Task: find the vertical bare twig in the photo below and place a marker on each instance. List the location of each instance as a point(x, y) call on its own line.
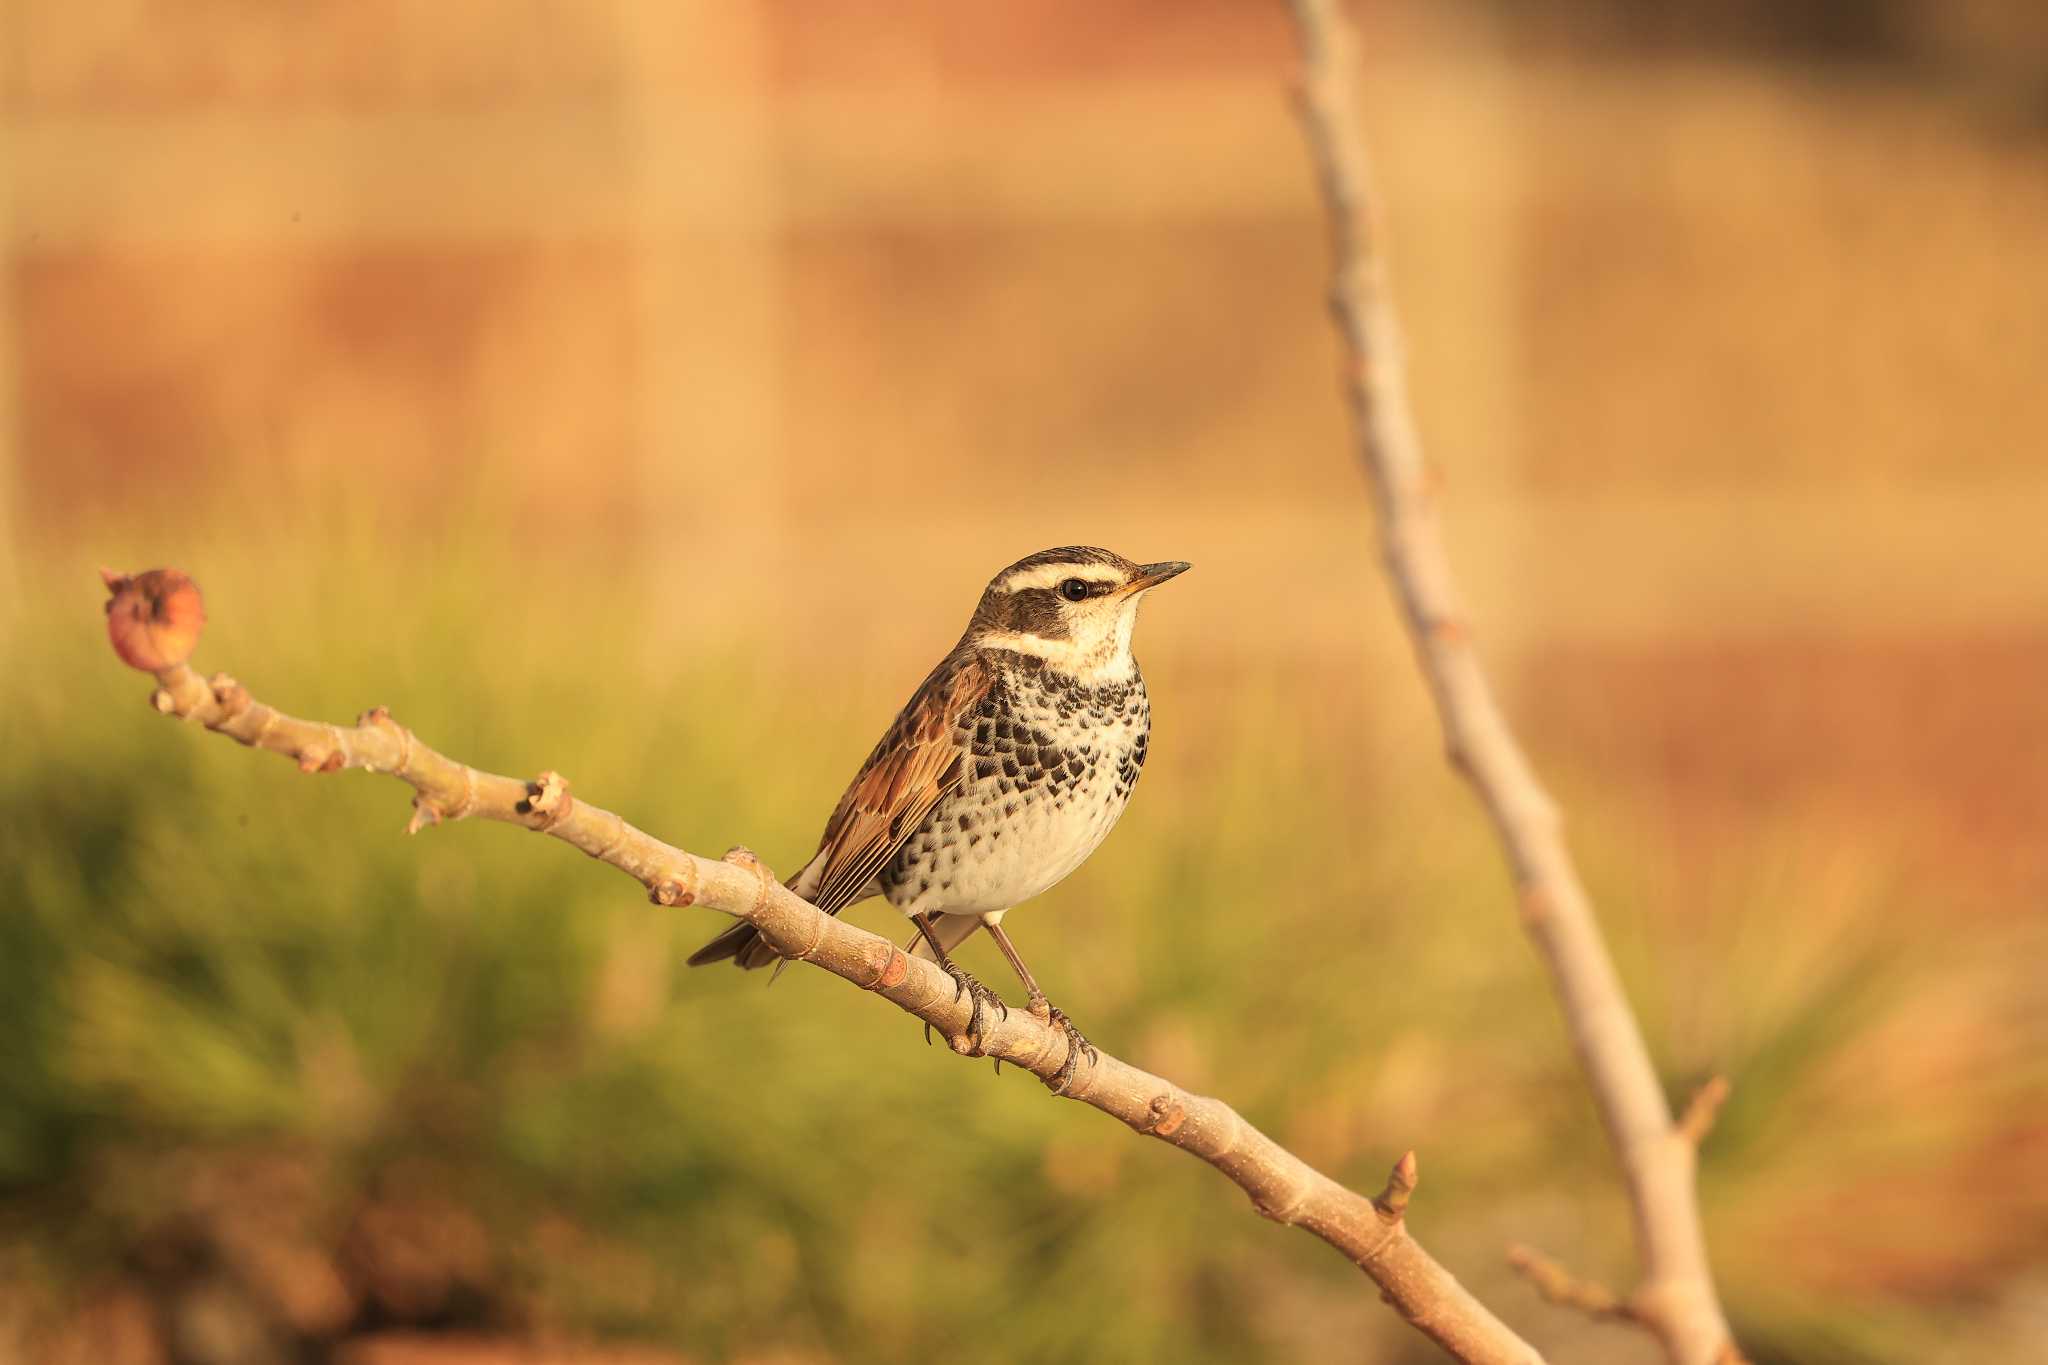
point(1675, 1297)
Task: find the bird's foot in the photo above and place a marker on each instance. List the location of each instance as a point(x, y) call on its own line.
point(1078, 1045)
point(983, 1000)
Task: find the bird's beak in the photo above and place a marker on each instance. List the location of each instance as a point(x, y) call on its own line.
point(1152, 575)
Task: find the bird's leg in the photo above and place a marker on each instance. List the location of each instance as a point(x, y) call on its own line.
point(1077, 1045)
point(978, 995)
point(1037, 1005)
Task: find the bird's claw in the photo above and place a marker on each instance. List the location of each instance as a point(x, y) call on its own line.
point(1078, 1046)
point(981, 998)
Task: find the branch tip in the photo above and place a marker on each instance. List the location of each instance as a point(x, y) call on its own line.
point(1702, 1109)
point(1401, 1182)
point(1559, 1286)
point(424, 813)
point(153, 619)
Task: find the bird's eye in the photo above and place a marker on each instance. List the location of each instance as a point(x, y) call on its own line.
point(1074, 589)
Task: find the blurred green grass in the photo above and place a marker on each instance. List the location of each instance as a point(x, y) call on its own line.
point(211, 960)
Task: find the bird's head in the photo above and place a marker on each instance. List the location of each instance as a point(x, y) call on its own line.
point(1073, 607)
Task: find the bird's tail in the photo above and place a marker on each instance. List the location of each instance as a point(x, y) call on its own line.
point(743, 943)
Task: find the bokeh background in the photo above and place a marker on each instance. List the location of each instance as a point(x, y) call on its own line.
point(645, 390)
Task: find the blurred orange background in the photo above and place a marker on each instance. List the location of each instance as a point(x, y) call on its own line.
point(776, 328)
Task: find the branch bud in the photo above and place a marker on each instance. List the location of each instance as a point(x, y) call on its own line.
point(154, 618)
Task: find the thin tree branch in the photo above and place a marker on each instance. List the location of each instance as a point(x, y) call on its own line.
point(1559, 1286)
point(1702, 1109)
point(1676, 1297)
point(155, 620)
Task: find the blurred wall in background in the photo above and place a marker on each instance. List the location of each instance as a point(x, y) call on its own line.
point(1765, 329)
point(1728, 326)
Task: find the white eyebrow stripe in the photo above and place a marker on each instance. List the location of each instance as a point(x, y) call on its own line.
point(1051, 575)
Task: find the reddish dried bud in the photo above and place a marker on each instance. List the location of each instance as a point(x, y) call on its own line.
point(154, 618)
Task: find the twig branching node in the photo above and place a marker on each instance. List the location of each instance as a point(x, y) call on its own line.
point(1702, 1109)
point(1559, 1286)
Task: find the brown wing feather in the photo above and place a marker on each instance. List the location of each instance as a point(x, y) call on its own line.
point(909, 772)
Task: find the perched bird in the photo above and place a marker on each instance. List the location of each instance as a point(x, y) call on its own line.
point(1004, 771)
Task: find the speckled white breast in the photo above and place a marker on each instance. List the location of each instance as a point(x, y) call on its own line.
point(1052, 769)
